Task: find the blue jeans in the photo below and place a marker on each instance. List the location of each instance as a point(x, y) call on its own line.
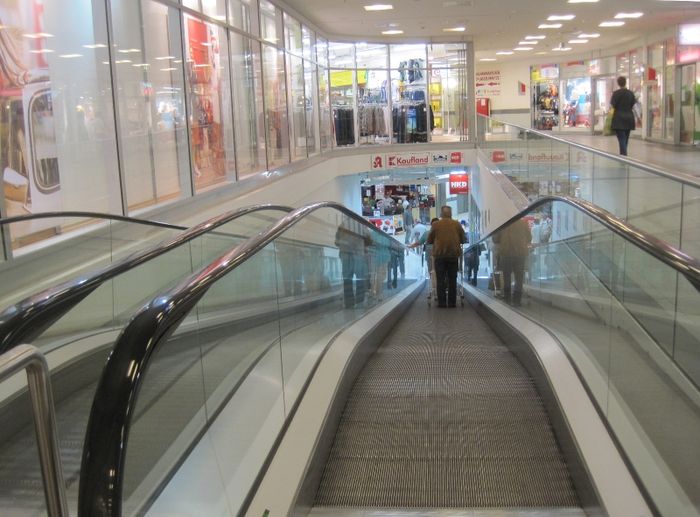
point(623, 136)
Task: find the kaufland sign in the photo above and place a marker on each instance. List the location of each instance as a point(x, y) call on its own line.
point(459, 183)
point(398, 160)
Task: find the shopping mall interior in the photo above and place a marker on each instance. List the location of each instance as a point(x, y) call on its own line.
point(218, 291)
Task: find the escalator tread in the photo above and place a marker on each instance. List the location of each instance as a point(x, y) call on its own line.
point(445, 416)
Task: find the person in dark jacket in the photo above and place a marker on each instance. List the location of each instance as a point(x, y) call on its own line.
point(623, 100)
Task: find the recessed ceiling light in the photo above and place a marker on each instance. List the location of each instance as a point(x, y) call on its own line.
point(561, 49)
point(620, 16)
point(391, 32)
point(487, 59)
point(41, 51)
point(578, 41)
point(611, 24)
point(559, 17)
point(539, 36)
point(163, 58)
point(589, 36)
point(122, 61)
point(583, 1)
point(549, 26)
point(70, 56)
point(522, 48)
point(455, 29)
point(528, 42)
point(505, 53)
point(379, 7)
point(168, 69)
point(95, 45)
point(540, 53)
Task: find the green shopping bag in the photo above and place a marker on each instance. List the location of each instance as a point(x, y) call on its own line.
point(607, 128)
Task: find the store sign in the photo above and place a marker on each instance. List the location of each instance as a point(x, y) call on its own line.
point(398, 160)
point(502, 156)
point(689, 34)
point(459, 183)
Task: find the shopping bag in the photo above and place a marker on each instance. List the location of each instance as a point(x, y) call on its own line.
point(607, 128)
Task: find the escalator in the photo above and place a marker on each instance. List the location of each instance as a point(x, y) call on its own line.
point(391, 408)
point(75, 323)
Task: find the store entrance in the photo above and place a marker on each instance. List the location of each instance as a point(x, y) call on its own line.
point(690, 118)
point(603, 87)
point(576, 104)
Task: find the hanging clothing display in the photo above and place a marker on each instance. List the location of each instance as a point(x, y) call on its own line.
point(343, 123)
point(410, 120)
point(373, 120)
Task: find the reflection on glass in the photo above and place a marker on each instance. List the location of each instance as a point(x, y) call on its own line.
point(311, 102)
point(374, 115)
point(151, 105)
point(276, 107)
point(248, 105)
point(210, 96)
point(326, 117)
point(342, 99)
point(299, 106)
point(270, 18)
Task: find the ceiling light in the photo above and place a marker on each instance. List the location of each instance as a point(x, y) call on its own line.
point(528, 42)
point(392, 31)
point(487, 59)
point(163, 58)
point(522, 48)
point(540, 53)
point(121, 61)
point(96, 45)
point(41, 51)
point(583, 1)
point(168, 69)
point(141, 65)
point(455, 29)
point(37, 35)
point(70, 56)
point(589, 36)
point(539, 36)
point(129, 50)
point(549, 26)
point(559, 17)
point(561, 49)
point(578, 41)
point(620, 16)
point(504, 53)
point(611, 24)
point(379, 7)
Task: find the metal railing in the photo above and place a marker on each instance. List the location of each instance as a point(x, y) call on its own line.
point(29, 358)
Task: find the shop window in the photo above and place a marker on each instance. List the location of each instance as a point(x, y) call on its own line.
point(277, 129)
point(445, 94)
point(311, 106)
point(215, 8)
point(373, 112)
point(325, 112)
point(655, 85)
point(322, 52)
point(342, 100)
point(308, 42)
point(207, 73)
point(292, 35)
point(243, 15)
point(248, 105)
point(299, 104)
point(270, 22)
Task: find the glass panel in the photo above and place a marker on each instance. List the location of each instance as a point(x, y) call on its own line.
point(299, 102)
point(690, 223)
point(292, 35)
point(324, 100)
point(341, 55)
point(655, 205)
point(374, 115)
point(276, 107)
point(311, 102)
point(192, 4)
point(371, 55)
point(408, 57)
point(445, 102)
point(308, 42)
point(410, 116)
point(215, 8)
point(342, 99)
point(576, 103)
point(610, 185)
point(688, 101)
point(322, 51)
point(545, 96)
point(613, 308)
point(270, 22)
point(151, 103)
point(240, 15)
point(57, 141)
point(655, 90)
point(248, 104)
point(670, 102)
point(209, 85)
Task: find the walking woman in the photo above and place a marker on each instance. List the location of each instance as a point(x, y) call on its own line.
point(623, 100)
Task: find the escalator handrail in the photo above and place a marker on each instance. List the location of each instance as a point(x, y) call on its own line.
point(23, 321)
point(683, 263)
point(88, 215)
point(104, 453)
point(675, 176)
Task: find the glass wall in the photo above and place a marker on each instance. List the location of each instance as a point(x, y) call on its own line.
point(669, 89)
point(655, 90)
point(182, 102)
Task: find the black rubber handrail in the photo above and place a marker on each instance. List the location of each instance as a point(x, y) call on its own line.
point(104, 454)
point(88, 215)
point(688, 266)
point(28, 318)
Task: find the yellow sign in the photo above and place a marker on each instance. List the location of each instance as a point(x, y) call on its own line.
point(344, 77)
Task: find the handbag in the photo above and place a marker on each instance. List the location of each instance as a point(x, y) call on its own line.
point(607, 128)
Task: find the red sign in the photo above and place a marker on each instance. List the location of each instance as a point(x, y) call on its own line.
point(456, 158)
point(498, 156)
point(459, 183)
